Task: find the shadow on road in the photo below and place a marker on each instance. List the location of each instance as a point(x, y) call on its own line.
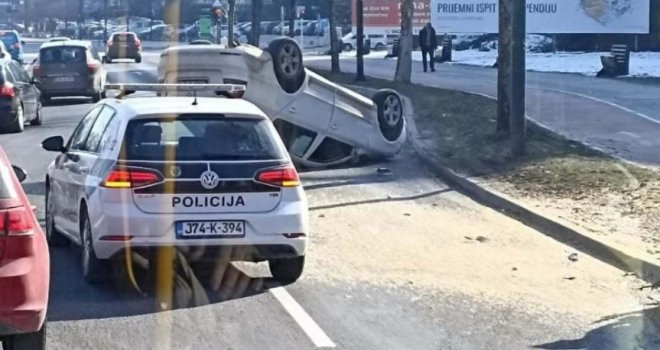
point(193, 284)
point(35, 188)
point(69, 101)
point(633, 330)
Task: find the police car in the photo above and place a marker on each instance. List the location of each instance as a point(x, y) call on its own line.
point(176, 171)
point(321, 123)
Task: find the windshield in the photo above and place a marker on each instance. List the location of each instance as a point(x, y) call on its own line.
point(332, 174)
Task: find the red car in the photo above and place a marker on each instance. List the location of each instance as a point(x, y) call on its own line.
point(24, 265)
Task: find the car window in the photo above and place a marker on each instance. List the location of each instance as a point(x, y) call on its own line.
point(63, 54)
point(205, 137)
point(18, 72)
point(7, 189)
point(79, 137)
point(96, 133)
point(8, 76)
point(9, 38)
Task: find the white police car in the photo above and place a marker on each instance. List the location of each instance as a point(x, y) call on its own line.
point(176, 171)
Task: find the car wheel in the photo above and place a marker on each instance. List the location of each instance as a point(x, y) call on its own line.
point(390, 114)
point(138, 59)
point(37, 115)
point(45, 100)
point(18, 124)
point(288, 64)
point(53, 237)
point(96, 97)
point(94, 270)
point(348, 47)
point(26, 341)
point(288, 270)
point(379, 47)
point(107, 59)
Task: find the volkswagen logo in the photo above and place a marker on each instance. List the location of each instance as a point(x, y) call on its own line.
point(175, 171)
point(209, 179)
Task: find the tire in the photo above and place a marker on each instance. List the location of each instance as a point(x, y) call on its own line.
point(96, 97)
point(53, 237)
point(347, 47)
point(104, 94)
point(95, 270)
point(390, 114)
point(288, 64)
point(107, 59)
point(379, 47)
point(138, 59)
point(287, 271)
point(18, 124)
point(27, 341)
point(38, 119)
point(45, 100)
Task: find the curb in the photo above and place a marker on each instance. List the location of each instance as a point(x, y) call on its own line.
point(553, 228)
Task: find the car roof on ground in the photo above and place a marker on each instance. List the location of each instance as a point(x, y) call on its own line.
point(142, 106)
point(80, 43)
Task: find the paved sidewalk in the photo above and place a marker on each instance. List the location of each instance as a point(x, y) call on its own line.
point(599, 112)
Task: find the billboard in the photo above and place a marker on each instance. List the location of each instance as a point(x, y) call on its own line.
point(386, 14)
point(545, 16)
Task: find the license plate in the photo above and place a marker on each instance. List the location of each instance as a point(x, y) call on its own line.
point(63, 79)
point(206, 229)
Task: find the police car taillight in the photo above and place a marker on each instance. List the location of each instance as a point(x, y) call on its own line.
point(281, 177)
point(131, 178)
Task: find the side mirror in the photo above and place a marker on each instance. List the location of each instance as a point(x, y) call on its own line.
point(54, 144)
point(22, 42)
point(34, 61)
point(21, 174)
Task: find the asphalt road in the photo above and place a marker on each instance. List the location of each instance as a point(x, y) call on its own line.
point(620, 117)
point(393, 264)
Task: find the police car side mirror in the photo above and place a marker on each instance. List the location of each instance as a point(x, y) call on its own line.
point(54, 144)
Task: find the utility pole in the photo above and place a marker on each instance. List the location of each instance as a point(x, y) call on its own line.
point(517, 98)
point(360, 40)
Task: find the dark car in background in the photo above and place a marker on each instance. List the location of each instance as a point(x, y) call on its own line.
point(69, 68)
point(13, 43)
point(123, 45)
point(19, 98)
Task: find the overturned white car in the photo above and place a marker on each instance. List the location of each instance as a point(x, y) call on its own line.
point(321, 123)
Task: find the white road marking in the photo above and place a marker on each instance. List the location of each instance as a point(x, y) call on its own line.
point(630, 134)
point(611, 104)
point(313, 331)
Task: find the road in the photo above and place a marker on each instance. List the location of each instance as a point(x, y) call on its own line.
point(398, 261)
point(620, 117)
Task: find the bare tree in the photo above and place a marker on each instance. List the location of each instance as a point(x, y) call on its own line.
point(404, 62)
point(230, 25)
point(334, 41)
point(257, 6)
point(504, 67)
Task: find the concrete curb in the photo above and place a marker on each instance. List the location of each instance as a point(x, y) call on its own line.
point(551, 227)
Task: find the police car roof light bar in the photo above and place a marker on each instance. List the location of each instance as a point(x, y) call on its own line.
point(127, 89)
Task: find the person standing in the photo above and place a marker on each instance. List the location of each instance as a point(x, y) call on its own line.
point(428, 42)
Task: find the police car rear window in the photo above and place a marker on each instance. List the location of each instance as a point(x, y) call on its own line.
point(200, 138)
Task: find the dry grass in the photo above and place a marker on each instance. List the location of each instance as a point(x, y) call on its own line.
point(463, 128)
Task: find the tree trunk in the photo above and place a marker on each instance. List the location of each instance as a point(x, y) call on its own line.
point(292, 18)
point(334, 41)
point(360, 41)
point(504, 67)
point(404, 62)
point(517, 122)
point(230, 24)
point(257, 6)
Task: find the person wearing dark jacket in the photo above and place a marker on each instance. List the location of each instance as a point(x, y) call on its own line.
point(428, 42)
